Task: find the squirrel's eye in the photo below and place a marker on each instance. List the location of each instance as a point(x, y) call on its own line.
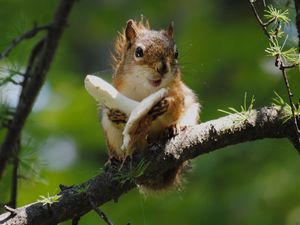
point(139, 52)
point(176, 54)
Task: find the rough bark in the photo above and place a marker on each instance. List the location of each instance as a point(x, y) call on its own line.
point(75, 201)
point(38, 66)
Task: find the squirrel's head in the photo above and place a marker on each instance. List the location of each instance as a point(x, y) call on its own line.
point(149, 56)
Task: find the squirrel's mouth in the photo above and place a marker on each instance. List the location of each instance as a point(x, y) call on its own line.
point(154, 82)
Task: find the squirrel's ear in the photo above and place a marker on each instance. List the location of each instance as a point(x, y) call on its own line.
point(170, 29)
point(130, 31)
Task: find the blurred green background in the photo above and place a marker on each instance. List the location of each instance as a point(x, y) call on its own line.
point(221, 53)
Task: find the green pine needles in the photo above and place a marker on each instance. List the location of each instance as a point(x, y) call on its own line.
point(290, 55)
point(48, 200)
point(245, 112)
point(276, 15)
point(287, 114)
point(276, 19)
point(131, 174)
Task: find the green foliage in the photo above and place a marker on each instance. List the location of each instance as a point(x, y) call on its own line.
point(280, 104)
point(277, 15)
point(290, 55)
point(8, 72)
point(48, 200)
point(7, 75)
point(132, 173)
point(7, 79)
point(30, 166)
point(276, 18)
point(245, 109)
point(6, 114)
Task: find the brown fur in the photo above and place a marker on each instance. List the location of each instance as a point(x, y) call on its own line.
point(135, 77)
point(120, 43)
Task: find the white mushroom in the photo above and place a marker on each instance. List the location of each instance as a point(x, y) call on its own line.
point(105, 94)
point(138, 114)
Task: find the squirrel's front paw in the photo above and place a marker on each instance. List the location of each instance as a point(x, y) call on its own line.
point(117, 116)
point(160, 108)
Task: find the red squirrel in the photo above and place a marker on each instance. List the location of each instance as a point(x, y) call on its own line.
point(145, 61)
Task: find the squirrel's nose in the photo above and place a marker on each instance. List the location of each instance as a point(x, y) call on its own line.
point(162, 68)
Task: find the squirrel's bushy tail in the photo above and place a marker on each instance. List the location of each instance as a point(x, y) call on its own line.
point(172, 178)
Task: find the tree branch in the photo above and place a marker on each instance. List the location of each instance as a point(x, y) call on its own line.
point(14, 183)
point(266, 122)
point(101, 213)
point(26, 35)
point(281, 64)
point(38, 66)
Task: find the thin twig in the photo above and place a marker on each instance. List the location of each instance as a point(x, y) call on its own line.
point(9, 79)
point(100, 213)
point(26, 35)
point(266, 24)
point(11, 210)
point(279, 63)
point(290, 95)
point(259, 20)
point(34, 52)
point(290, 66)
point(14, 82)
point(14, 185)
